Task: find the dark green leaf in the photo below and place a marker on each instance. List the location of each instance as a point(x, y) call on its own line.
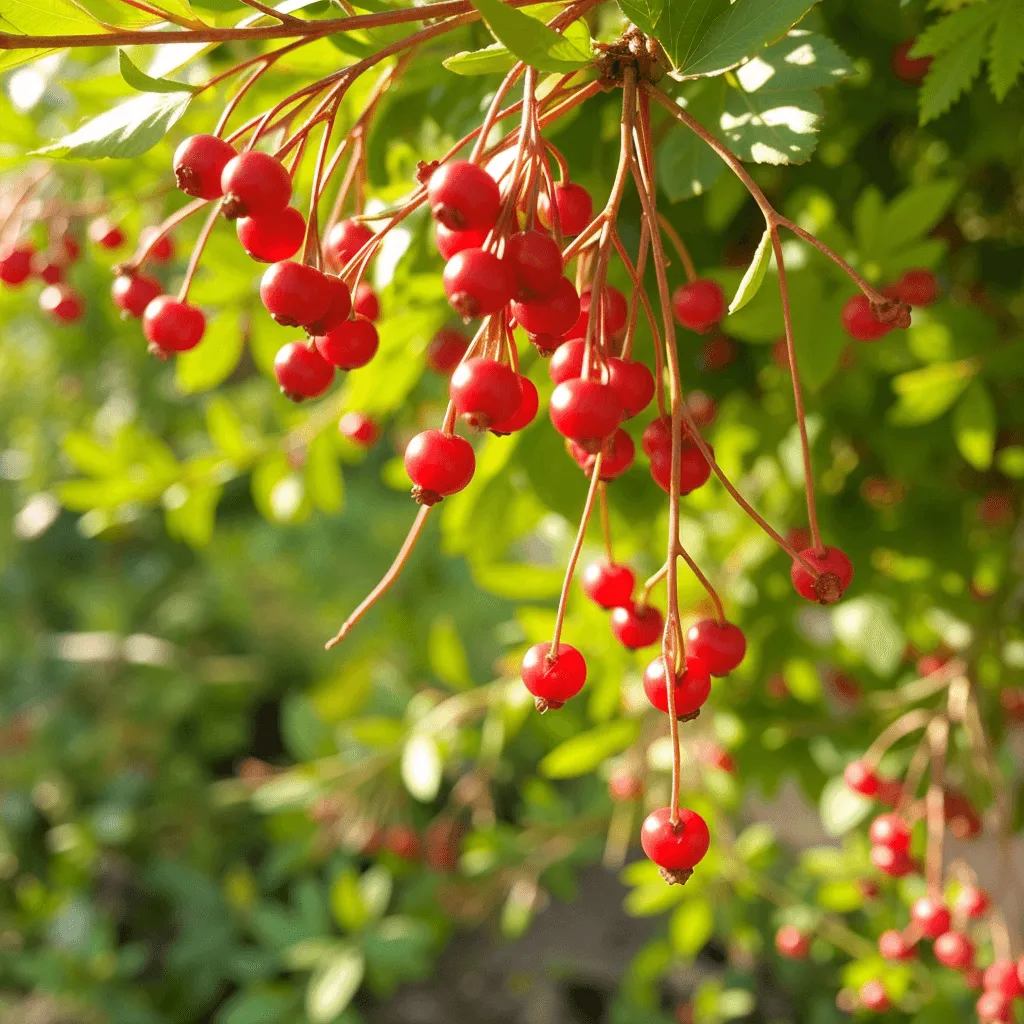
point(645, 14)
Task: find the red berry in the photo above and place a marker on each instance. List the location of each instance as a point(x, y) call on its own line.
point(895, 863)
point(585, 411)
point(616, 312)
point(350, 345)
point(633, 383)
point(906, 68)
point(301, 371)
point(536, 262)
point(715, 757)
point(441, 844)
point(16, 263)
point(567, 362)
point(694, 469)
point(552, 315)
point(716, 354)
point(1002, 977)
point(553, 681)
point(254, 184)
point(450, 242)
point(890, 830)
point(272, 237)
point(172, 326)
point(675, 848)
point(893, 946)
point(954, 950)
point(625, 788)
point(929, 663)
point(700, 304)
point(973, 902)
point(994, 1008)
point(438, 465)
point(198, 164)
point(344, 240)
point(463, 196)
point(575, 208)
point(702, 408)
point(477, 283)
point(484, 391)
point(890, 792)
point(446, 350)
point(133, 293)
point(835, 575)
point(874, 997)
point(295, 294)
point(62, 303)
point(338, 307)
point(359, 428)
point(861, 778)
point(529, 403)
point(618, 456)
point(608, 584)
point(46, 270)
point(720, 645)
point(105, 233)
point(402, 841)
point(161, 249)
point(860, 323)
point(72, 250)
point(791, 943)
point(928, 913)
point(546, 344)
point(365, 302)
point(657, 437)
point(692, 687)
point(637, 626)
point(917, 288)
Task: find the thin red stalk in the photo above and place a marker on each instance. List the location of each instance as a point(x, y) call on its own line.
point(176, 218)
point(679, 246)
point(704, 582)
point(606, 528)
point(311, 243)
point(197, 251)
point(938, 741)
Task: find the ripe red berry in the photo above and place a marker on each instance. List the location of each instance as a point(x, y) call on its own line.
point(893, 946)
point(692, 687)
point(484, 391)
point(928, 913)
point(161, 249)
point(106, 233)
point(860, 323)
point(71, 248)
point(552, 315)
point(929, 663)
point(890, 830)
point(463, 196)
point(198, 164)
point(133, 293)
point(716, 354)
point(295, 294)
point(625, 788)
point(254, 184)
point(633, 383)
point(272, 237)
point(441, 844)
point(702, 408)
point(62, 303)
point(46, 270)
point(575, 208)
point(917, 288)
point(906, 68)
point(700, 304)
point(567, 362)
point(446, 350)
point(637, 626)
point(618, 456)
point(365, 302)
point(994, 1008)
point(714, 756)
point(529, 403)
point(791, 943)
point(835, 573)
point(344, 240)
point(608, 584)
point(16, 263)
point(954, 950)
point(1002, 977)
point(694, 469)
point(657, 437)
point(873, 997)
point(338, 307)
point(536, 262)
point(585, 411)
point(973, 902)
point(450, 242)
point(301, 371)
point(720, 645)
point(861, 778)
point(172, 326)
point(438, 465)
point(553, 681)
point(402, 841)
point(350, 345)
point(359, 428)
point(616, 312)
point(895, 863)
point(477, 283)
point(676, 849)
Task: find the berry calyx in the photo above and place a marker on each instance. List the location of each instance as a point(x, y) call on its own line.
point(134, 292)
point(637, 626)
point(446, 350)
point(608, 584)
point(574, 205)
point(633, 383)
point(699, 304)
point(199, 163)
point(555, 314)
point(295, 294)
point(917, 287)
point(439, 465)
point(272, 237)
point(973, 902)
point(301, 371)
point(720, 645)
point(791, 943)
point(618, 450)
point(254, 184)
point(893, 946)
point(172, 326)
point(692, 687)
point(930, 915)
point(359, 428)
point(349, 345)
point(892, 831)
point(567, 361)
point(450, 242)
point(463, 196)
point(862, 778)
point(906, 68)
point(484, 391)
point(536, 261)
point(874, 997)
point(477, 283)
point(338, 307)
point(344, 240)
point(860, 323)
point(16, 264)
point(62, 303)
point(365, 302)
point(553, 681)
point(106, 234)
point(585, 411)
point(835, 573)
point(954, 950)
point(529, 403)
point(694, 469)
point(676, 849)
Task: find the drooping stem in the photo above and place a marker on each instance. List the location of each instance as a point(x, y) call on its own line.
point(704, 582)
point(606, 529)
point(679, 246)
point(197, 251)
point(935, 802)
point(906, 724)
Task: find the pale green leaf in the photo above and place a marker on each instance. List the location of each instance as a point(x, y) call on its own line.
point(333, 986)
point(974, 426)
point(422, 767)
point(840, 808)
point(691, 926)
point(446, 654)
point(585, 752)
point(534, 44)
point(867, 626)
point(142, 82)
point(754, 277)
point(926, 394)
point(213, 360)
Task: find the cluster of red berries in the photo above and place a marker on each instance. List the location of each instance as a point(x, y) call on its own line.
point(917, 287)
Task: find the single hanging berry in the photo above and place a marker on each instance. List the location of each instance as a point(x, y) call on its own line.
point(359, 428)
point(994, 1008)
point(199, 163)
point(873, 996)
point(637, 626)
point(295, 294)
point(893, 946)
point(365, 302)
point(1003, 977)
point(720, 645)
point(439, 465)
point(529, 403)
point(338, 307)
point(694, 469)
point(46, 270)
point(608, 584)
point(159, 249)
point(700, 304)
point(484, 391)
point(273, 237)
point(625, 788)
point(585, 411)
point(891, 831)
point(931, 916)
point(254, 184)
point(575, 208)
point(553, 315)
point(477, 283)
point(692, 687)
point(463, 196)
point(553, 681)
point(894, 863)
point(16, 264)
point(172, 326)
point(450, 242)
point(350, 345)
point(106, 234)
point(860, 777)
point(618, 450)
point(446, 350)
point(567, 362)
point(633, 383)
point(792, 943)
point(906, 68)
point(676, 848)
point(344, 240)
point(860, 323)
point(62, 303)
point(301, 371)
point(536, 262)
point(917, 288)
point(616, 312)
point(835, 573)
point(954, 950)
point(973, 902)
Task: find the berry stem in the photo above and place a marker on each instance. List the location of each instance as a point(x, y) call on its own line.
point(935, 802)
point(704, 581)
point(606, 529)
point(906, 724)
point(197, 251)
point(176, 218)
point(679, 246)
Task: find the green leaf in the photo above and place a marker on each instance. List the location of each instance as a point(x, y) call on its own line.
point(1006, 56)
point(583, 753)
point(534, 44)
point(225, 428)
point(257, 1007)
point(926, 394)
point(867, 626)
point(347, 902)
point(127, 130)
point(754, 277)
point(840, 896)
point(192, 519)
point(684, 25)
point(802, 680)
point(48, 17)
point(914, 212)
point(333, 986)
point(840, 808)
point(950, 31)
point(645, 14)
point(422, 767)
point(212, 361)
point(974, 426)
point(375, 888)
point(324, 482)
point(688, 166)
point(1010, 461)
point(691, 926)
point(141, 82)
point(951, 75)
point(446, 654)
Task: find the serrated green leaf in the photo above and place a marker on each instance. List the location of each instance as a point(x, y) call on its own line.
point(645, 14)
point(754, 277)
point(950, 31)
point(800, 60)
point(974, 426)
point(583, 753)
point(1006, 56)
point(691, 926)
point(333, 986)
point(142, 82)
point(951, 75)
point(683, 26)
point(926, 394)
point(534, 44)
point(687, 166)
